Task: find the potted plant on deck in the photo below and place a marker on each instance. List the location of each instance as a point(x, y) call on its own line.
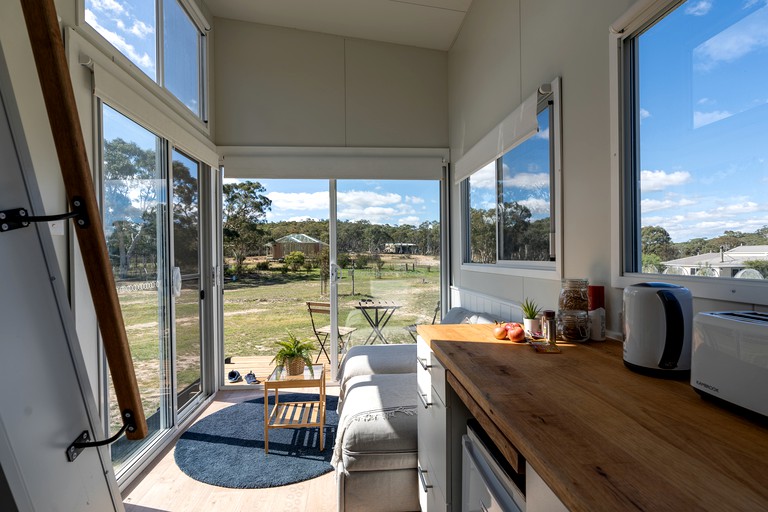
point(531, 320)
point(294, 354)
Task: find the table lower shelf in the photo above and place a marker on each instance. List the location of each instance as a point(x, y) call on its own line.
point(297, 414)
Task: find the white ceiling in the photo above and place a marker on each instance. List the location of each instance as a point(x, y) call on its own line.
point(423, 23)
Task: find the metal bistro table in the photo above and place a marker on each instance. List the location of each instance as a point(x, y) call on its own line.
point(294, 414)
point(377, 313)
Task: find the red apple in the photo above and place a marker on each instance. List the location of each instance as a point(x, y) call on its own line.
point(500, 331)
point(515, 333)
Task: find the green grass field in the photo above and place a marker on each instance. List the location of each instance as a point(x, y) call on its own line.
point(260, 308)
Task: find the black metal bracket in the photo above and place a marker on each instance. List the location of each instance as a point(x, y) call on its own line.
point(17, 218)
point(83, 441)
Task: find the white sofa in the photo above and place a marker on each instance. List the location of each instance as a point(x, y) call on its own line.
point(376, 449)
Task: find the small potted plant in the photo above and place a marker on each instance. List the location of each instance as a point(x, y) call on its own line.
point(531, 319)
point(294, 354)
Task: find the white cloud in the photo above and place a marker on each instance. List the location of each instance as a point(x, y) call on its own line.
point(374, 214)
point(650, 205)
point(746, 207)
point(704, 101)
point(485, 178)
point(644, 114)
point(299, 201)
point(412, 220)
point(699, 8)
point(107, 6)
point(144, 61)
point(659, 180)
point(739, 39)
point(527, 180)
point(363, 198)
point(138, 29)
point(704, 118)
point(536, 205)
point(543, 134)
point(414, 199)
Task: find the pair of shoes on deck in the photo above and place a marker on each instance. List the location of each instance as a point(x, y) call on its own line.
point(234, 376)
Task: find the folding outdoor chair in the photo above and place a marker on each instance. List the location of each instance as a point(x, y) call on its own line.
point(323, 333)
point(412, 328)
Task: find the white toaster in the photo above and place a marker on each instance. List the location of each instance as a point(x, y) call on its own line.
point(729, 358)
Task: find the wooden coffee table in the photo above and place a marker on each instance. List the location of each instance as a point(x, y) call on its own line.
point(294, 414)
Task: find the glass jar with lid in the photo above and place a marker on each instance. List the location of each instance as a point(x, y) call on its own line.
point(574, 295)
point(573, 325)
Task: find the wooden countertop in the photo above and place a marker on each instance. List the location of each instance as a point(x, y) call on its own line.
point(603, 437)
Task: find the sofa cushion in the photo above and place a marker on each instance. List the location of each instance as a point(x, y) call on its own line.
point(375, 359)
point(484, 318)
point(457, 315)
point(377, 426)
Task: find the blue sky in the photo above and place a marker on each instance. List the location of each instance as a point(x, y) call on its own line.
point(393, 202)
point(129, 26)
point(704, 119)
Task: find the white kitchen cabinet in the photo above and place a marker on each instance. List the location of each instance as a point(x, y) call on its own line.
point(432, 426)
point(442, 420)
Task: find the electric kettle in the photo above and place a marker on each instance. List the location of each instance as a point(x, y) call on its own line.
point(657, 329)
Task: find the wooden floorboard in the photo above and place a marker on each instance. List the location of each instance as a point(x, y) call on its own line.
point(164, 488)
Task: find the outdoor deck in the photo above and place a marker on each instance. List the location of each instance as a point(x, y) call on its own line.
point(261, 366)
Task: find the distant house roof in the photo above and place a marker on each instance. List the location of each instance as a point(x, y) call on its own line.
point(298, 239)
point(730, 258)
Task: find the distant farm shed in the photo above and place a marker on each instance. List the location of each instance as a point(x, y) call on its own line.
point(284, 246)
point(400, 248)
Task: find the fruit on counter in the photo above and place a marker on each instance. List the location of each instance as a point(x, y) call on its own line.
point(500, 331)
point(515, 332)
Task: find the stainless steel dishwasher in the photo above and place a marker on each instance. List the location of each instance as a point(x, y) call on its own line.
point(485, 484)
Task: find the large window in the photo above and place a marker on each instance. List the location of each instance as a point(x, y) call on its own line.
point(173, 57)
point(509, 203)
point(694, 154)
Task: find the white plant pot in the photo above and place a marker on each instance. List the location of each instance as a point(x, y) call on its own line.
point(532, 325)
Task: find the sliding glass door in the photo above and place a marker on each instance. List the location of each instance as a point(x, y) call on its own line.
point(135, 189)
point(152, 224)
point(186, 278)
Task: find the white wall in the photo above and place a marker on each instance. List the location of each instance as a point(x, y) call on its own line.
point(283, 87)
point(505, 49)
point(21, 66)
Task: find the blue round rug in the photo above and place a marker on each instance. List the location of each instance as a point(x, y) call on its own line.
point(227, 447)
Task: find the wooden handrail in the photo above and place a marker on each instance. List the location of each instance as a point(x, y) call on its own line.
point(53, 72)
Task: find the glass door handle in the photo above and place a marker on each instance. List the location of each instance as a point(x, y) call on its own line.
point(176, 282)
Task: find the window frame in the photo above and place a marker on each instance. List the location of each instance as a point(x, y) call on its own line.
point(157, 86)
point(624, 121)
point(549, 95)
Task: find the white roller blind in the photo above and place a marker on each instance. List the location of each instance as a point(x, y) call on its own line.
point(333, 163)
point(514, 129)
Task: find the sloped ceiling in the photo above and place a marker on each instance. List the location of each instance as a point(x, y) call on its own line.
point(423, 23)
